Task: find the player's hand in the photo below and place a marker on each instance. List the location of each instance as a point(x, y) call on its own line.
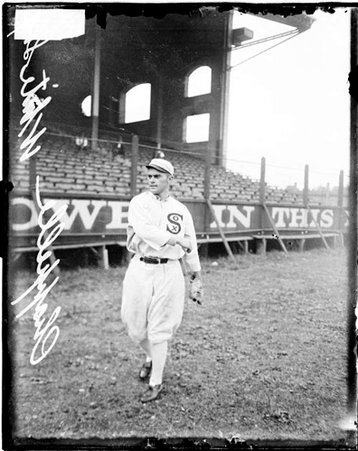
point(185, 244)
point(196, 289)
point(172, 241)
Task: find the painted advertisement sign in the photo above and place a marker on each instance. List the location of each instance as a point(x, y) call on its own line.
point(86, 217)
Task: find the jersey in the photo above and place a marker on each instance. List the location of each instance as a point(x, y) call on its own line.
point(152, 222)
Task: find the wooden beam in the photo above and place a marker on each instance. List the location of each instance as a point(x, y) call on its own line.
point(159, 110)
point(96, 88)
point(282, 244)
point(246, 247)
point(103, 258)
point(225, 87)
point(306, 185)
point(94, 250)
point(318, 227)
point(261, 246)
point(301, 245)
point(134, 165)
point(262, 180)
point(207, 177)
point(223, 237)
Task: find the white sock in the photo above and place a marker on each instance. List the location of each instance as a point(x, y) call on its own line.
point(159, 356)
point(146, 346)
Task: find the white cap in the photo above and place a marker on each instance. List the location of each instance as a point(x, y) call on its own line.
point(161, 165)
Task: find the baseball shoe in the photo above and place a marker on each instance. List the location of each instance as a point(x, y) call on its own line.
point(152, 393)
point(145, 371)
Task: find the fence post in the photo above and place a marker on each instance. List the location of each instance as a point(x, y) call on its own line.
point(327, 194)
point(262, 180)
point(207, 213)
point(134, 165)
point(306, 186)
point(159, 112)
point(262, 188)
point(103, 257)
point(96, 88)
point(207, 182)
point(207, 173)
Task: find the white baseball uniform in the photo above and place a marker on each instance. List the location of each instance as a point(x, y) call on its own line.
point(153, 294)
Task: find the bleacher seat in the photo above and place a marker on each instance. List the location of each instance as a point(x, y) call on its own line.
point(65, 168)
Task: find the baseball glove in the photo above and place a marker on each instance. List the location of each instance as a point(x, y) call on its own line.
point(196, 290)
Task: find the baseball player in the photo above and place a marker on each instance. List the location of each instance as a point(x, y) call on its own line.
point(160, 232)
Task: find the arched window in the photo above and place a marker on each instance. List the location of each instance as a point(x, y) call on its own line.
point(196, 128)
point(135, 104)
point(86, 106)
point(199, 82)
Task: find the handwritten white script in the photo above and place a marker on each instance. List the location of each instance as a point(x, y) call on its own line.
point(32, 104)
point(50, 230)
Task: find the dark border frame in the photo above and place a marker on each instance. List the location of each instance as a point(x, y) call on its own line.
point(159, 10)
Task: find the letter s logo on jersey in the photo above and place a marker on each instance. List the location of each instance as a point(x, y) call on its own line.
point(175, 223)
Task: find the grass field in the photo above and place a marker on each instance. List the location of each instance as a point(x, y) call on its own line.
point(264, 357)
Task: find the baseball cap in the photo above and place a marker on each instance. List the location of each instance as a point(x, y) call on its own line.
point(161, 165)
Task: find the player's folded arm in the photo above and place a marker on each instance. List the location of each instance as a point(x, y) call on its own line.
point(140, 220)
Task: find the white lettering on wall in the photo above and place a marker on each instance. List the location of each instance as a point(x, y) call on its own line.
point(234, 215)
point(313, 217)
point(280, 216)
point(119, 217)
point(32, 222)
point(326, 218)
point(80, 208)
point(298, 217)
point(229, 216)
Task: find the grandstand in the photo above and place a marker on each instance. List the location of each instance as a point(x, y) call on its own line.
point(65, 168)
point(95, 163)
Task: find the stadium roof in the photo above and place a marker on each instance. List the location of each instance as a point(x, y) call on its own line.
point(301, 22)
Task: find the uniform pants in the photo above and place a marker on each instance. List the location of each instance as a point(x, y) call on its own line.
point(153, 300)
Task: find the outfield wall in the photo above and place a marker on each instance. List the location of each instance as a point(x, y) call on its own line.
point(103, 220)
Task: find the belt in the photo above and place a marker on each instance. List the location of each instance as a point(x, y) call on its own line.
point(153, 260)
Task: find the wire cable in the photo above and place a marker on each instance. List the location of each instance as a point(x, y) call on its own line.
point(265, 50)
point(267, 39)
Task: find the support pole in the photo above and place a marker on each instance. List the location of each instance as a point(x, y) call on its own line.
point(103, 257)
point(159, 112)
point(223, 237)
point(225, 87)
point(96, 88)
point(318, 227)
point(246, 247)
point(207, 180)
point(301, 245)
point(207, 188)
point(327, 194)
point(262, 180)
point(282, 244)
point(306, 185)
point(306, 200)
point(262, 189)
point(134, 165)
point(261, 246)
